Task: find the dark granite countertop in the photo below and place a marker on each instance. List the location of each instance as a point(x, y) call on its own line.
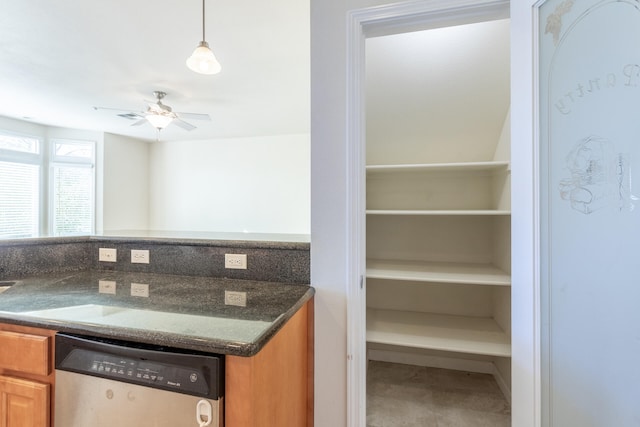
point(225, 239)
point(180, 311)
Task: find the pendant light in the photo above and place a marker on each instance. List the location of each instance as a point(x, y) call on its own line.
point(202, 60)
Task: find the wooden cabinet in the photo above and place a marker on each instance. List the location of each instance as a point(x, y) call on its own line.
point(26, 376)
point(23, 403)
point(272, 388)
point(438, 264)
point(275, 387)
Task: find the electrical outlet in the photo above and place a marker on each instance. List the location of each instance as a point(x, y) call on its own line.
point(235, 261)
point(107, 254)
point(139, 256)
point(235, 298)
point(107, 287)
point(139, 290)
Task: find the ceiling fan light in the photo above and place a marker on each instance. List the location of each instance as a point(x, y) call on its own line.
point(203, 61)
point(159, 121)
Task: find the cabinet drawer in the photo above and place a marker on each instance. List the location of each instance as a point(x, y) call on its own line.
point(25, 353)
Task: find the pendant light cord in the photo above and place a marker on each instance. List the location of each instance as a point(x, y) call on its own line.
point(203, 39)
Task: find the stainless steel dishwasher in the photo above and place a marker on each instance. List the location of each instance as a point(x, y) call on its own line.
point(110, 383)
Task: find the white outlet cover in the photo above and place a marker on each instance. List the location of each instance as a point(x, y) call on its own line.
point(107, 254)
point(139, 256)
point(235, 261)
point(140, 290)
point(107, 287)
point(236, 298)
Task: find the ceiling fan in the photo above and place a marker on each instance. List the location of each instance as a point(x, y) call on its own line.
point(159, 115)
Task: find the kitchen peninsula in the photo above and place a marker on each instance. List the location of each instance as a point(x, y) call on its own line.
point(264, 328)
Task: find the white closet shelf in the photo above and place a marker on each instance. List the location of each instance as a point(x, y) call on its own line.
point(461, 212)
point(466, 166)
point(471, 335)
point(443, 272)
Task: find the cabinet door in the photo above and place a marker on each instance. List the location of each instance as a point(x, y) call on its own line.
point(23, 403)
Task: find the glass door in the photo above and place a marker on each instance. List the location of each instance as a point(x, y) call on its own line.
point(589, 89)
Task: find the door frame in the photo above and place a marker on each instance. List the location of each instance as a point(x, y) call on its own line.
point(418, 15)
point(525, 217)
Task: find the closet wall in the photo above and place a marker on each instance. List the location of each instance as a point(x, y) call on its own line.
point(438, 198)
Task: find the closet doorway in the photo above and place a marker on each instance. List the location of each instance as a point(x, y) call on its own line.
point(435, 242)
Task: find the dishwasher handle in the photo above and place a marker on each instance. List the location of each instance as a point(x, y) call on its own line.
point(204, 413)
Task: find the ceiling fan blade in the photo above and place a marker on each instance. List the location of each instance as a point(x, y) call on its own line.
point(184, 125)
point(194, 116)
point(131, 116)
point(110, 109)
point(140, 122)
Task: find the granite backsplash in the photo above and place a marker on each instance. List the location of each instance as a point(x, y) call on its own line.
point(285, 262)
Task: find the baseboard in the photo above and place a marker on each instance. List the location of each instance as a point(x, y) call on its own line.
point(505, 386)
point(444, 362)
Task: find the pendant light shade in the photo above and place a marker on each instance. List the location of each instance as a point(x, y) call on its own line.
point(202, 60)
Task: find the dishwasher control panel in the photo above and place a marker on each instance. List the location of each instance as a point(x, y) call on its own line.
point(161, 367)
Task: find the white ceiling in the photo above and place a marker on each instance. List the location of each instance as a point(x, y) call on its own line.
point(59, 59)
point(442, 93)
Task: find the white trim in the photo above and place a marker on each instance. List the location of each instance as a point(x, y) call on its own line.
point(525, 290)
point(363, 23)
point(424, 14)
point(23, 156)
point(356, 219)
point(504, 385)
point(535, 256)
point(55, 158)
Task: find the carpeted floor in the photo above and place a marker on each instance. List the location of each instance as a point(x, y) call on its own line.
point(408, 396)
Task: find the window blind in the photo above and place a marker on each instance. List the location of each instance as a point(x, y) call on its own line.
point(19, 200)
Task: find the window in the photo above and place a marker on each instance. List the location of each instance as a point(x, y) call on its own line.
point(24, 211)
point(20, 177)
point(72, 187)
point(19, 184)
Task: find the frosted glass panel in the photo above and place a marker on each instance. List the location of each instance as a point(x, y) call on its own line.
point(590, 238)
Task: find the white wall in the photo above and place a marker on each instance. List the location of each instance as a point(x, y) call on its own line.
point(258, 185)
point(420, 89)
point(43, 131)
point(125, 184)
point(21, 126)
point(329, 204)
